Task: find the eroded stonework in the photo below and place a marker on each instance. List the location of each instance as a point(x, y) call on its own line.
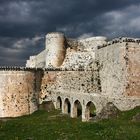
point(17, 93)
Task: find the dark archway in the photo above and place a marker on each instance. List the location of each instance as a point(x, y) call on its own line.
point(59, 103)
point(67, 106)
point(77, 109)
point(90, 112)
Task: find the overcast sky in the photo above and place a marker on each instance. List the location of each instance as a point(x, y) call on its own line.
point(24, 23)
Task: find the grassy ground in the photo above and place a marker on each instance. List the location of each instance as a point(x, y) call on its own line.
point(43, 125)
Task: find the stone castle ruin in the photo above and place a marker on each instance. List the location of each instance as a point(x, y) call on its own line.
point(72, 73)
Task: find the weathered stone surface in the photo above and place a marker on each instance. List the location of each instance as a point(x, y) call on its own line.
point(112, 69)
point(18, 94)
point(37, 61)
point(70, 81)
point(108, 111)
point(133, 70)
point(119, 69)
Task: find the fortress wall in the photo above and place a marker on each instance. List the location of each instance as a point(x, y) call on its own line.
point(1, 107)
point(69, 81)
point(120, 69)
point(81, 85)
point(112, 69)
point(133, 70)
point(17, 93)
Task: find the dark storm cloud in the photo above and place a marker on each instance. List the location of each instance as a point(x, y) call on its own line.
point(24, 22)
point(15, 51)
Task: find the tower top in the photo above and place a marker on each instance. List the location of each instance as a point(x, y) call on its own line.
point(55, 35)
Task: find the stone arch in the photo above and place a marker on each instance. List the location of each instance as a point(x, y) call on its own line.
point(58, 103)
point(77, 109)
point(90, 111)
point(67, 106)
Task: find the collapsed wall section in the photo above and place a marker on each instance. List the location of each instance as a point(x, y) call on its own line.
point(90, 44)
point(17, 93)
point(87, 44)
point(81, 53)
point(78, 60)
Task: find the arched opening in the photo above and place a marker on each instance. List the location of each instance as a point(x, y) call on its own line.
point(90, 111)
point(67, 106)
point(77, 109)
point(59, 103)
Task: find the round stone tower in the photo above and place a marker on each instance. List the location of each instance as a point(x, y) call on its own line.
point(55, 47)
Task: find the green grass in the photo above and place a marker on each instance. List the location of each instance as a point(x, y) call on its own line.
point(43, 125)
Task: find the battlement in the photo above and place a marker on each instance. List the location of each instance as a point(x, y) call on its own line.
point(120, 40)
point(6, 68)
point(54, 35)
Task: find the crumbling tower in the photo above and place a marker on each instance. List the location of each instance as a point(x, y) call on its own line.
point(55, 48)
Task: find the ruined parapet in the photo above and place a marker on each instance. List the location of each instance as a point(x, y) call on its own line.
point(92, 42)
point(55, 47)
point(31, 62)
point(87, 44)
point(72, 44)
point(37, 61)
point(81, 53)
point(15, 68)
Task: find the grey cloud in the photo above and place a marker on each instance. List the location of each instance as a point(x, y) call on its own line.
point(123, 22)
point(17, 51)
point(23, 20)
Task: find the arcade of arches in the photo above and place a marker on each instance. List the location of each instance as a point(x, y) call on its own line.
point(76, 109)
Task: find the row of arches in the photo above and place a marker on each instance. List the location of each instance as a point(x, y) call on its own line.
point(76, 109)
